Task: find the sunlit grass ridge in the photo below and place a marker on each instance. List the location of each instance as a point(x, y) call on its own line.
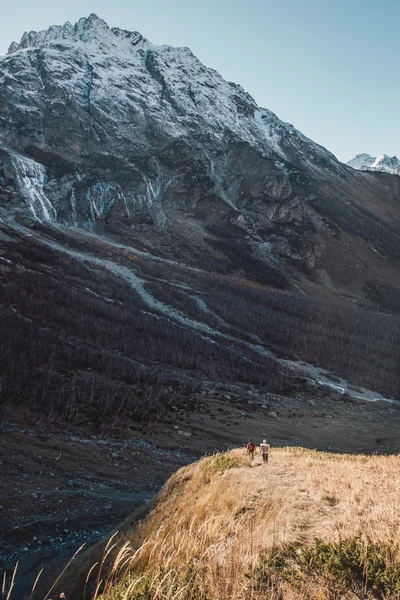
point(226, 527)
point(307, 525)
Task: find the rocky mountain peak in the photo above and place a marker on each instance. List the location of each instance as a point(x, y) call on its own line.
point(110, 130)
point(122, 81)
point(88, 30)
point(361, 160)
point(366, 162)
point(387, 161)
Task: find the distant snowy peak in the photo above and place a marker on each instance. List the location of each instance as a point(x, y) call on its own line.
point(361, 160)
point(92, 30)
point(384, 163)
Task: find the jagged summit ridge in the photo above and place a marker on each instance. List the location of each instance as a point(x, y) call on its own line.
point(122, 131)
point(384, 163)
point(107, 127)
point(98, 65)
point(87, 30)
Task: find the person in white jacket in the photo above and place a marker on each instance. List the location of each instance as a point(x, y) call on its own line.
point(264, 449)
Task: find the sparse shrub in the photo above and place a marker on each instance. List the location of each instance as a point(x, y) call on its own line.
point(353, 567)
point(131, 588)
point(269, 574)
point(187, 583)
point(224, 461)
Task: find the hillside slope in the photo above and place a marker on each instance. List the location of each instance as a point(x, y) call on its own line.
point(149, 208)
point(226, 527)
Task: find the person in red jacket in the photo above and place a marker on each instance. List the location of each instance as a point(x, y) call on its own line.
point(250, 449)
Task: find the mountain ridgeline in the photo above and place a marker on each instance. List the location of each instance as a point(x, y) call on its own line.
point(383, 163)
point(162, 235)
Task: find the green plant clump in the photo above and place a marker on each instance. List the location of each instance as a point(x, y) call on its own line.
point(357, 566)
point(188, 584)
point(224, 461)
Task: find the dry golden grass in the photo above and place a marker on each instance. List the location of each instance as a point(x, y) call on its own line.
point(215, 520)
point(212, 523)
point(298, 496)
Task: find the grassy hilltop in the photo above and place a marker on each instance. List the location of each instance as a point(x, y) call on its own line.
point(308, 525)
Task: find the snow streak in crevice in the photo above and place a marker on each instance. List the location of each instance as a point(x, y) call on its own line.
point(31, 177)
point(315, 375)
point(166, 310)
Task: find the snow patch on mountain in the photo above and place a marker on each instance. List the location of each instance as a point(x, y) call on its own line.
point(99, 66)
point(383, 163)
point(361, 160)
point(32, 178)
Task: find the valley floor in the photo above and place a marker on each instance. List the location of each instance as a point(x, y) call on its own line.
point(62, 486)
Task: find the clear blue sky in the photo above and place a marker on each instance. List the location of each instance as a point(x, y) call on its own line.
point(330, 68)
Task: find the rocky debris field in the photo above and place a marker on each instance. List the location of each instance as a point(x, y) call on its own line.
point(61, 488)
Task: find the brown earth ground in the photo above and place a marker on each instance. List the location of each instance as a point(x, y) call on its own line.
point(61, 486)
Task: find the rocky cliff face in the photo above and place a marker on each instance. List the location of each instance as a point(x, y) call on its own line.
point(100, 127)
point(159, 178)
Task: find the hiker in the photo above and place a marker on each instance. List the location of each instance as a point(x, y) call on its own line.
point(250, 449)
point(264, 449)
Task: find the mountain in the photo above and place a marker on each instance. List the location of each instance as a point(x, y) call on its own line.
point(383, 163)
point(361, 160)
point(179, 268)
point(139, 187)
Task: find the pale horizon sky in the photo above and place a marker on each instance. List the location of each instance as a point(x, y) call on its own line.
point(330, 69)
